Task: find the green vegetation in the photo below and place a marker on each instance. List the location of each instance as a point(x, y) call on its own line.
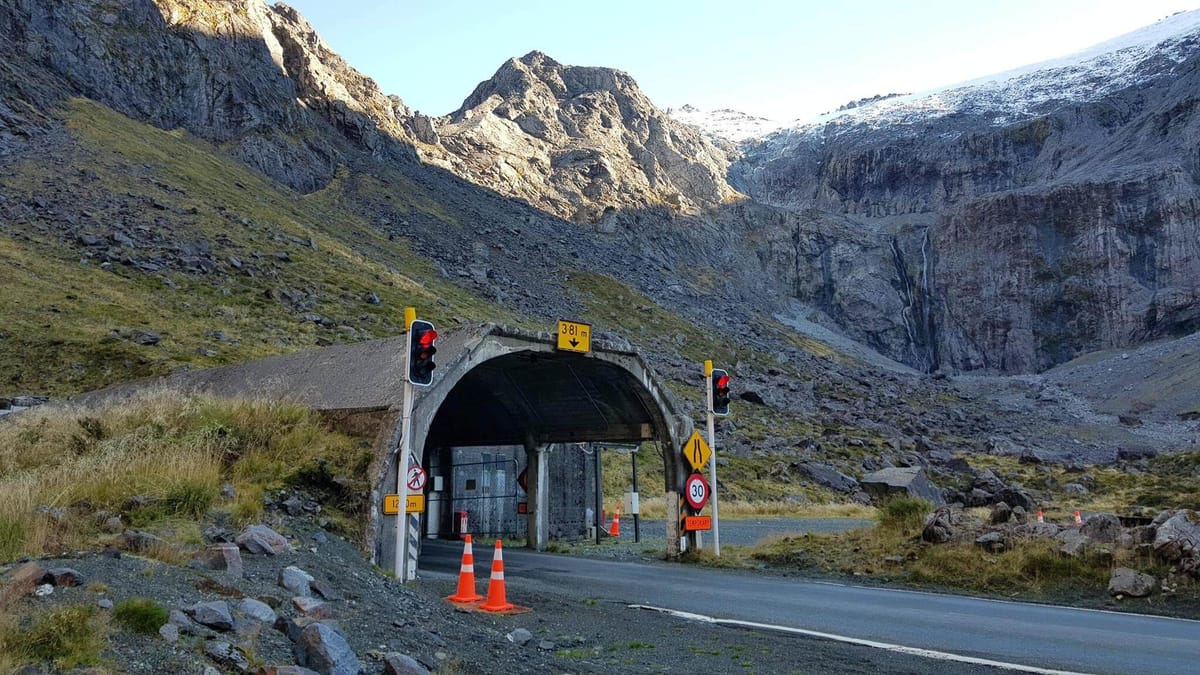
point(140, 615)
point(904, 514)
point(160, 460)
point(68, 636)
point(67, 325)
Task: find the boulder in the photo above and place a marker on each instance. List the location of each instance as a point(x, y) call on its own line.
point(396, 663)
point(826, 475)
point(1074, 544)
point(258, 610)
point(1074, 489)
point(1131, 583)
point(64, 576)
point(296, 580)
point(992, 542)
point(169, 632)
point(313, 608)
point(1015, 496)
point(263, 540)
point(1178, 536)
point(227, 656)
point(978, 497)
point(221, 557)
point(187, 626)
point(321, 648)
point(909, 481)
point(28, 575)
point(1102, 527)
point(324, 589)
point(1001, 512)
point(214, 614)
point(136, 541)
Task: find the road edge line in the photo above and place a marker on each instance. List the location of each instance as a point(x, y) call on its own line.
point(901, 649)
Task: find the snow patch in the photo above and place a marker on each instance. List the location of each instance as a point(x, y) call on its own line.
point(725, 123)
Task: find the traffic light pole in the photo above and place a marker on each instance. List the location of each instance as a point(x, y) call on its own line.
point(712, 467)
point(403, 571)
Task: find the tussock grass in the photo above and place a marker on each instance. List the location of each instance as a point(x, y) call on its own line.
point(172, 451)
point(140, 615)
point(68, 636)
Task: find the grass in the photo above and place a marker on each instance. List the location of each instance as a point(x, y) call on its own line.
point(749, 488)
point(171, 451)
point(67, 636)
point(140, 615)
point(65, 322)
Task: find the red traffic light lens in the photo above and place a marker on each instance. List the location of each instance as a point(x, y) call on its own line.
point(723, 382)
point(426, 339)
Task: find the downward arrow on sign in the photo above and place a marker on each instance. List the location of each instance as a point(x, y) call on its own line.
point(574, 342)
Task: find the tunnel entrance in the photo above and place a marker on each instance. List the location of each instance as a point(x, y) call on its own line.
point(507, 409)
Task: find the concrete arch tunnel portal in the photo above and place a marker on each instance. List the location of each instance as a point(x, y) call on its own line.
point(505, 401)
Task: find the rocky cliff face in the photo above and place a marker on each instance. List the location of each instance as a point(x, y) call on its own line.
point(1030, 218)
point(254, 77)
point(576, 142)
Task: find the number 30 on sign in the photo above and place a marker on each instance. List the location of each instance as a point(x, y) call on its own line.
point(696, 491)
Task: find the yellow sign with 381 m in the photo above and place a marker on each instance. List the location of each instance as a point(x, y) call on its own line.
point(574, 336)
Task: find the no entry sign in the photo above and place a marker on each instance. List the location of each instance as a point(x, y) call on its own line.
point(695, 490)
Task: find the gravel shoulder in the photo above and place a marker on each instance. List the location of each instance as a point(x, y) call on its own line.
point(569, 633)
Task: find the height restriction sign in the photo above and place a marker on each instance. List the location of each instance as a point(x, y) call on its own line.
point(695, 490)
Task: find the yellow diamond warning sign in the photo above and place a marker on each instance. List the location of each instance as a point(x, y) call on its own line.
point(696, 451)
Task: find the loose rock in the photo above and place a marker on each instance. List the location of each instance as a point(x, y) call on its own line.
point(258, 610)
point(396, 663)
point(321, 648)
point(223, 557)
point(1102, 527)
point(263, 540)
point(296, 580)
point(1127, 582)
point(212, 614)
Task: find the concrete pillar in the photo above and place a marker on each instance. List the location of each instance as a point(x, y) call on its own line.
point(539, 495)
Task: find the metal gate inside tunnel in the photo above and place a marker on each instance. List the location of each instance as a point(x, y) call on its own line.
point(481, 492)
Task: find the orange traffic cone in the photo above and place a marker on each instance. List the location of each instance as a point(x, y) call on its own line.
point(1041, 518)
point(1078, 518)
point(466, 577)
point(615, 530)
point(496, 600)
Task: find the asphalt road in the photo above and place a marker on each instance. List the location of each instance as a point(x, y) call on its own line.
point(1017, 633)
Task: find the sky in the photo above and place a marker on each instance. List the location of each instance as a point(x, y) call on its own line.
point(781, 59)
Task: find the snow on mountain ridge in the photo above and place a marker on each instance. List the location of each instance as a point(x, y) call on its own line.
point(725, 123)
point(1015, 94)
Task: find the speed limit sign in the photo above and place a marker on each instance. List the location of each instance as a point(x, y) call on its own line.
point(696, 491)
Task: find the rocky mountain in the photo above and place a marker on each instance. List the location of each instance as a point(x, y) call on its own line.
point(1013, 222)
point(189, 183)
point(577, 142)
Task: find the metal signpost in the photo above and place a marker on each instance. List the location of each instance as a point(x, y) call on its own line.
point(712, 472)
point(409, 474)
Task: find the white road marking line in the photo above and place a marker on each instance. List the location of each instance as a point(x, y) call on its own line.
point(913, 651)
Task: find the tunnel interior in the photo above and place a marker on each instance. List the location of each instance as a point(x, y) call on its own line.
point(553, 397)
point(482, 439)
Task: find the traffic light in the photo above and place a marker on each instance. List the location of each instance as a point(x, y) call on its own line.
point(718, 382)
point(421, 339)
